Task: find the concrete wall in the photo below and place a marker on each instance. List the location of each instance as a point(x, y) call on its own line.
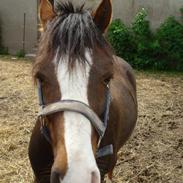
point(12, 18)
point(158, 10)
point(11, 13)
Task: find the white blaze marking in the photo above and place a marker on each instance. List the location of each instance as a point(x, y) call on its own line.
point(73, 85)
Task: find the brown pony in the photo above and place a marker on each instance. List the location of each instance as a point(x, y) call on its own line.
point(87, 96)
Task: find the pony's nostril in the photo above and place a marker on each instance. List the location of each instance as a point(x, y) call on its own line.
point(95, 177)
point(55, 177)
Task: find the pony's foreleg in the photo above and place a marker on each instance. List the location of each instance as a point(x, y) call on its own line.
point(109, 177)
point(108, 180)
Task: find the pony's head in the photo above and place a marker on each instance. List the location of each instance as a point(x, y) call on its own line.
point(74, 62)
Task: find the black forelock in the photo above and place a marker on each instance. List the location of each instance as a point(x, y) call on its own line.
point(67, 8)
point(73, 31)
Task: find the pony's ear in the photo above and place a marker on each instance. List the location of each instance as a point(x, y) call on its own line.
point(46, 12)
point(103, 15)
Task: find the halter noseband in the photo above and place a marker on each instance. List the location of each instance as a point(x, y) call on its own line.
point(100, 125)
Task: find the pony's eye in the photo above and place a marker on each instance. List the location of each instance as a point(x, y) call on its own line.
point(107, 80)
point(40, 77)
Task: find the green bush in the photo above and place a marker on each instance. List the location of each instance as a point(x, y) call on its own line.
point(3, 50)
point(162, 50)
point(0, 36)
point(140, 25)
point(170, 38)
point(121, 39)
point(143, 41)
point(181, 12)
point(20, 53)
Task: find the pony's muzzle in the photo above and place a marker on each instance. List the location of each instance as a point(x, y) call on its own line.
point(58, 177)
point(95, 177)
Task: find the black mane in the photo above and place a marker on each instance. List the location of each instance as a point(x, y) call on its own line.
point(73, 31)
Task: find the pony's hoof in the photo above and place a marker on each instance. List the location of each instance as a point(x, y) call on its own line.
point(108, 180)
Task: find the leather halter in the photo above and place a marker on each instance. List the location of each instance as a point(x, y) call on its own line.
point(78, 107)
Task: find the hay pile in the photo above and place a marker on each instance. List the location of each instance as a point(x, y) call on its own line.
point(153, 155)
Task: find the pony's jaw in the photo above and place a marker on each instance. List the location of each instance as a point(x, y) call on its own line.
point(81, 164)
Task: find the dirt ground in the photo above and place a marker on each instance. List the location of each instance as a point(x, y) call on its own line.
point(154, 154)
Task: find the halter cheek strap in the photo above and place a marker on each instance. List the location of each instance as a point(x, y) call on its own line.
point(40, 94)
point(78, 107)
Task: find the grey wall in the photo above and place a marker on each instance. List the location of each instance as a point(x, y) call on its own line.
point(158, 10)
point(11, 14)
